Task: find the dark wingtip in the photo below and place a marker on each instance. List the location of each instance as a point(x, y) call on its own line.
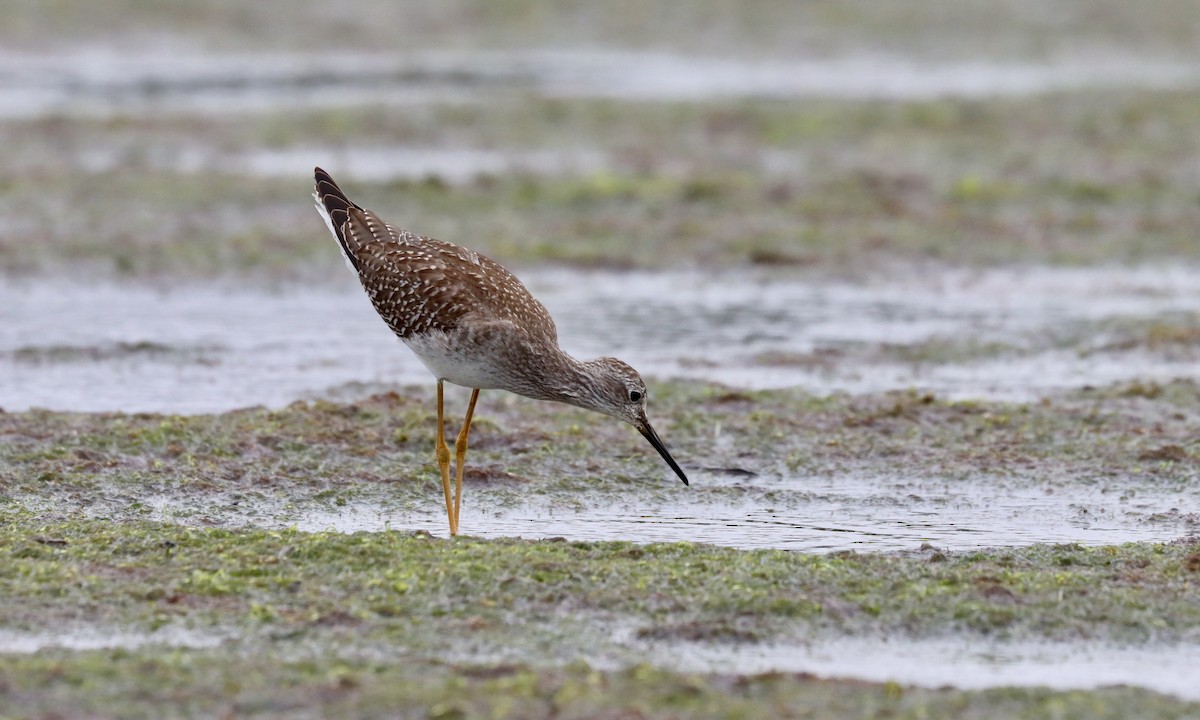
point(337, 206)
point(327, 189)
point(331, 196)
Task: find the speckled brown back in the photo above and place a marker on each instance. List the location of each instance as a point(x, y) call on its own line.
point(419, 284)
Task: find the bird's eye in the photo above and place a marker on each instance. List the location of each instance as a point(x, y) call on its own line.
point(634, 396)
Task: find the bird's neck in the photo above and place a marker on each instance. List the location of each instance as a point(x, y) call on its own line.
point(561, 378)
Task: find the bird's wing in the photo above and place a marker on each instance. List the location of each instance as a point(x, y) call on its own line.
point(430, 285)
point(353, 226)
point(412, 288)
point(418, 284)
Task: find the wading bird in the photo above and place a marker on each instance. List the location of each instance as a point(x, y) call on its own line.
point(473, 323)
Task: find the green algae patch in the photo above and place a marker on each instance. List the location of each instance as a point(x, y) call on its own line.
point(414, 589)
point(153, 683)
point(1090, 435)
point(360, 624)
point(380, 447)
point(764, 29)
point(228, 617)
point(812, 186)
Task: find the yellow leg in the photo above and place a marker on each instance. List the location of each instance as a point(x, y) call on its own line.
point(460, 454)
point(443, 458)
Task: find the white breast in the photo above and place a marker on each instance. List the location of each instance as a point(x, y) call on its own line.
point(446, 361)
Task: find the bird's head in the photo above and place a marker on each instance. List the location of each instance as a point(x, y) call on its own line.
point(619, 391)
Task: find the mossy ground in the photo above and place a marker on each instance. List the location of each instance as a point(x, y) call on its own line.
point(310, 448)
point(389, 623)
point(330, 622)
point(419, 593)
point(136, 684)
point(872, 186)
point(321, 622)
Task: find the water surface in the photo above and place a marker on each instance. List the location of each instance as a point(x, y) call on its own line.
point(896, 512)
point(208, 348)
point(954, 662)
point(103, 81)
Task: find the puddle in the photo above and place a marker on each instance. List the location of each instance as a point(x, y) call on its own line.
point(823, 514)
point(660, 76)
point(93, 638)
point(102, 81)
point(210, 348)
point(452, 165)
point(953, 662)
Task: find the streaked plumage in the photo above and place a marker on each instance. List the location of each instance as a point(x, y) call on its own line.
point(473, 323)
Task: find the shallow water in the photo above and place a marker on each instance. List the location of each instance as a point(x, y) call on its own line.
point(105, 81)
point(87, 637)
point(954, 662)
point(207, 348)
point(376, 163)
point(811, 514)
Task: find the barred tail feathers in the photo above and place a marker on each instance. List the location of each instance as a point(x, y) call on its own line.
point(334, 207)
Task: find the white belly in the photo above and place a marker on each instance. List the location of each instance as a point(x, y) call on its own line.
point(442, 358)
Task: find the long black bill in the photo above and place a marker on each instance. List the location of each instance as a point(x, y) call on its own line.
point(648, 433)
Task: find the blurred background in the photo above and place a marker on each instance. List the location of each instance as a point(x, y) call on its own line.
point(981, 198)
point(891, 203)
